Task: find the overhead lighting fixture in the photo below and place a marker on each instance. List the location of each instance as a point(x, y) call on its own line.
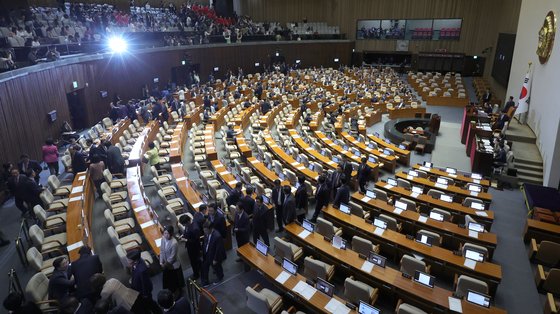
point(117, 44)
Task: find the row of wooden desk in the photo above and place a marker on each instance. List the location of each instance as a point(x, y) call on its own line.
point(404, 154)
point(485, 183)
point(78, 214)
point(389, 161)
point(406, 112)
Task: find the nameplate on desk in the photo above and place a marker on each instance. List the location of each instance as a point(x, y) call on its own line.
point(295, 163)
point(397, 211)
point(147, 224)
point(383, 155)
point(455, 305)
point(366, 199)
point(388, 186)
point(305, 290)
point(140, 208)
point(304, 234)
point(300, 168)
point(344, 152)
point(75, 198)
point(473, 234)
point(473, 193)
point(223, 173)
point(158, 242)
point(81, 178)
point(425, 168)
point(378, 231)
point(336, 307)
point(181, 179)
point(422, 219)
point(452, 175)
point(367, 266)
point(74, 246)
point(176, 165)
point(256, 161)
point(174, 149)
point(469, 263)
point(476, 181)
point(441, 186)
point(295, 136)
point(482, 214)
point(414, 194)
point(174, 142)
point(282, 277)
point(77, 189)
point(207, 137)
point(136, 197)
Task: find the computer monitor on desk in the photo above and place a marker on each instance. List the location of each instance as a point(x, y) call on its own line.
point(427, 164)
point(380, 223)
point(372, 159)
point(413, 173)
point(290, 267)
point(424, 239)
point(478, 298)
point(441, 181)
point(424, 279)
point(475, 227)
point(344, 208)
point(477, 206)
point(325, 287)
point(474, 255)
point(308, 225)
point(451, 170)
point(392, 181)
point(365, 308)
point(377, 259)
point(370, 194)
point(475, 188)
point(436, 216)
point(261, 247)
point(446, 198)
point(476, 176)
point(400, 205)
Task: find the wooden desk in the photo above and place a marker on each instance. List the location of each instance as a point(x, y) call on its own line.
point(78, 215)
point(458, 177)
point(389, 161)
point(177, 142)
point(407, 112)
point(223, 173)
point(139, 147)
point(540, 231)
point(209, 147)
point(267, 175)
point(146, 217)
point(404, 154)
point(242, 146)
point(450, 189)
point(446, 101)
point(116, 131)
point(485, 217)
point(452, 235)
point(387, 279)
point(439, 258)
point(270, 270)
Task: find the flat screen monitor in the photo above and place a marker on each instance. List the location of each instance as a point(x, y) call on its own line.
point(476, 176)
point(388, 141)
point(335, 159)
point(262, 248)
point(427, 164)
point(413, 173)
point(308, 225)
point(401, 146)
point(417, 189)
point(436, 216)
point(475, 188)
point(451, 170)
point(392, 181)
point(441, 181)
point(377, 134)
point(357, 153)
point(424, 279)
point(387, 152)
point(298, 159)
point(345, 147)
point(266, 200)
point(344, 208)
point(325, 287)
point(372, 159)
point(400, 205)
point(370, 194)
point(323, 152)
point(281, 176)
point(339, 242)
point(424, 239)
point(446, 198)
point(377, 259)
point(380, 223)
point(371, 145)
point(478, 298)
point(311, 166)
point(474, 255)
point(476, 227)
point(365, 308)
point(290, 267)
point(477, 206)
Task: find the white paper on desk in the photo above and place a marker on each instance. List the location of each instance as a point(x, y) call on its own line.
point(81, 178)
point(181, 179)
point(409, 177)
point(470, 263)
point(366, 199)
point(304, 234)
point(452, 175)
point(344, 152)
point(300, 168)
point(388, 186)
point(75, 199)
point(487, 128)
point(77, 189)
point(147, 224)
point(336, 307)
point(383, 155)
point(378, 231)
point(476, 181)
point(473, 234)
point(425, 168)
point(414, 194)
point(473, 193)
point(232, 182)
point(480, 213)
point(282, 277)
point(397, 211)
point(140, 208)
point(294, 163)
point(256, 161)
point(305, 290)
point(176, 165)
point(136, 197)
point(74, 246)
point(197, 205)
point(223, 173)
point(455, 305)
point(422, 219)
point(441, 186)
point(367, 266)
point(158, 242)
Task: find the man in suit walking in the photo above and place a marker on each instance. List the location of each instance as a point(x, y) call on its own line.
point(342, 194)
point(278, 201)
point(301, 199)
point(16, 184)
point(216, 217)
point(241, 227)
point(322, 197)
point(191, 237)
point(83, 269)
point(289, 206)
point(140, 278)
point(247, 202)
point(25, 164)
point(59, 283)
point(346, 167)
point(334, 180)
point(235, 194)
point(364, 173)
point(214, 253)
point(115, 160)
point(259, 220)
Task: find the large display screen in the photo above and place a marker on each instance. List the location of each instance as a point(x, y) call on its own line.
point(416, 29)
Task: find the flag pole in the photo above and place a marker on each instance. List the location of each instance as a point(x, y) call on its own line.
point(523, 119)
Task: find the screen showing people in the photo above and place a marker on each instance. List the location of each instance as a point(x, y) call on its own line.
point(324, 286)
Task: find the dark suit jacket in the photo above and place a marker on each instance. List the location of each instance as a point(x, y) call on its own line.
point(32, 164)
point(98, 150)
point(243, 226)
point(214, 249)
point(364, 173)
point(181, 306)
point(16, 185)
point(342, 196)
point(83, 269)
point(219, 224)
point(289, 210)
point(347, 170)
point(59, 285)
point(259, 217)
point(115, 160)
point(301, 197)
point(248, 204)
point(79, 162)
point(322, 196)
point(140, 280)
point(199, 219)
point(192, 234)
point(30, 191)
point(234, 197)
point(274, 196)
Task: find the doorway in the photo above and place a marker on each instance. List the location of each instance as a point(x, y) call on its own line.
point(77, 107)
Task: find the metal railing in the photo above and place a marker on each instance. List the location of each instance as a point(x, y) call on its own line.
point(20, 244)
point(201, 298)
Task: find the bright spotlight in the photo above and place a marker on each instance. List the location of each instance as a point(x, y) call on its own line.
point(117, 44)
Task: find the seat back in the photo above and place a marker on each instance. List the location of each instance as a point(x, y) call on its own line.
point(356, 291)
point(474, 247)
point(361, 245)
point(283, 249)
point(109, 217)
point(403, 183)
point(325, 228)
point(34, 258)
point(106, 189)
point(37, 288)
point(410, 264)
point(113, 235)
point(548, 253)
point(469, 200)
point(356, 209)
point(436, 237)
point(107, 175)
point(552, 282)
point(435, 193)
point(410, 205)
point(405, 308)
point(53, 182)
point(391, 222)
point(40, 213)
point(47, 197)
point(37, 236)
point(121, 253)
point(315, 268)
point(466, 283)
point(256, 301)
point(380, 195)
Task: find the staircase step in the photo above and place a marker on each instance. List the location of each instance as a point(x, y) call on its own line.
point(519, 138)
point(529, 179)
point(519, 160)
point(529, 173)
point(538, 168)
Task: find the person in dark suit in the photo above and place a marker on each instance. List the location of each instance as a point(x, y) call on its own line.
point(265, 107)
point(235, 194)
point(247, 201)
point(342, 194)
point(508, 105)
point(200, 216)
point(301, 199)
point(59, 283)
point(487, 96)
point(214, 253)
point(322, 196)
point(191, 237)
point(15, 305)
point(15, 185)
point(259, 220)
point(99, 150)
point(83, 269)
point(278, 201)
point(241, 227)
point(31, 190)
point(499, 124)
point(334, 180)
point(289, 206)
point(140, 277)
point(364, 173)
point(115, 160)
point(346, 167)
point(216, 217)
point(71, 305)
point(79, 163)
point(170, 306)
point(25, 164)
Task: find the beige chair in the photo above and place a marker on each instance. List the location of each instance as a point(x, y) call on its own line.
point(52, 222)
point(474, 247)
point(363, 246)
point(356, 291)
point(107, 123)
point(263, 301)
point(168, 190)
point(403, 183)
point(551, 304)
point(467, 202)
point(46, 245)
point(52, 204)
point(121, 226)
point(546, 252)
point(314, 268)
point(421, 144)
point(114, 196)
point(446, 215)
point(356, 209)
point(287, 250)
point(327, 229)
point(409, 265)
point(35, 259)
point(57, 188)
point(176, 204)
point(381, 195)
point(130, 242)
point(436, 238)
point(121, 253)
point(392, 223)
point(67, 163)
point(548, 281)
point(118, 209)
point(114, 183)
point(161, 176)
point(405, 308)
point(435, 193)
point(465, 283)
point(37, 291)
